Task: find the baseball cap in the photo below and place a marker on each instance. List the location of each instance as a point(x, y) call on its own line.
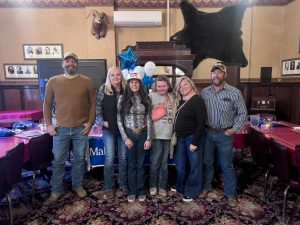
point(70, 55)
point(218, 65)
point(133, 75)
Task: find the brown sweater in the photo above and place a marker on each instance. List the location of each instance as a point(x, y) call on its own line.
point(74, 101)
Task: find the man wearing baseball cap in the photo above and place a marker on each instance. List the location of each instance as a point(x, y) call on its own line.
point(74, 97)
point(226, 115)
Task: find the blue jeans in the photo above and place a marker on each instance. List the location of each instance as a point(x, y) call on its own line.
point(189, 166)
point(159, 163)
point(136, 163)
point(223, 145)
point(61, 145)
point(111, 142)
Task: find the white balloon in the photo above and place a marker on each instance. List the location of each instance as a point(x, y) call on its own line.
point(140, 71)
point(150, 68)
point(125, 73)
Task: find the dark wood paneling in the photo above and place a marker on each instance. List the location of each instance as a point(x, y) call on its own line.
point(32, 99)
point(12, 99)
point(1, 100)
point(287, 98)
point(233, 74)
point(20, 97)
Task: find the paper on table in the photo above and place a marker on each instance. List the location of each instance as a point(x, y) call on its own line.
point(29, 134)
point(296, 129)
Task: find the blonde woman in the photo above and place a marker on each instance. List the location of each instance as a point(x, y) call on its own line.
point(189, 125)
point(106, 116)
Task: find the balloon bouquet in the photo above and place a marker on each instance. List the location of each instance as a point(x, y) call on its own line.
point(128, 64)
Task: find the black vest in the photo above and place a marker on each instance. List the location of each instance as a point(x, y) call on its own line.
point(110, 111)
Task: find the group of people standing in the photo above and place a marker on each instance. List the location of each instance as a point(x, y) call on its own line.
point(202, 124)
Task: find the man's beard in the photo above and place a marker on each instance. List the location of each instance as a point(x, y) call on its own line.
point(217, 82)
point(71, 70)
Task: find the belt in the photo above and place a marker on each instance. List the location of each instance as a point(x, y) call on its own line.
point(137, 131)
point(218, 129)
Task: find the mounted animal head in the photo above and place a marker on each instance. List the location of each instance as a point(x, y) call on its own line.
point(99, 24)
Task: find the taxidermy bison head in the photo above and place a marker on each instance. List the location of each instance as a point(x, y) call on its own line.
point(213, 35)
point(99, 24)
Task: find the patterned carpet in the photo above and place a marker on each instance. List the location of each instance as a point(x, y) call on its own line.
point(93, 209)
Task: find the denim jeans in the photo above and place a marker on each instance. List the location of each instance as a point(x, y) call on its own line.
point(189, 166)
point(61, 145)
point(223, 145)
point(136, 163)
point(159, 163)
point(113, 142)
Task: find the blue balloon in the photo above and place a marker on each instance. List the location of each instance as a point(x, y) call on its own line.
point(147, 81)
point(128, 60)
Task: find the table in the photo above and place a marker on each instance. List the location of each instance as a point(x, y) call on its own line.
point(285, 136)
point(8, 143)
point(7, 118)
point(96, 149)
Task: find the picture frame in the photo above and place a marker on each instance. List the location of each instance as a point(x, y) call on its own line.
point(20, 71)
point(42, 51)
point(290, 67)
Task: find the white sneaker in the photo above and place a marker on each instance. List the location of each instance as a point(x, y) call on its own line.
point(153, 191)
point(131, 198)
point(142, 198)
point(162, 192)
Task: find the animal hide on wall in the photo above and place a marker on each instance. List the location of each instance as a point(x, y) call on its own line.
point(213, 35)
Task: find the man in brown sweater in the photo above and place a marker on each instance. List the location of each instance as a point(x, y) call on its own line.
point(74, 97)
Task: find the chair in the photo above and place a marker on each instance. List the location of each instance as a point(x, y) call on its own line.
point(282, 170)
point(41, 156)
point(12, 167)
point(297, 202)
point(259, 151)
point(2, 177)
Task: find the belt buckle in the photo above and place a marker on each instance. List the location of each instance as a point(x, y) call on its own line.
point(137, 131)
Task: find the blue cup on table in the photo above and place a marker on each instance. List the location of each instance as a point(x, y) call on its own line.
point(254, 120)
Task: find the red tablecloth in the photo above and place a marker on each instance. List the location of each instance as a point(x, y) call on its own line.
point(289, 140)
point(8, 143)
point(7, 118)
point(284, 135)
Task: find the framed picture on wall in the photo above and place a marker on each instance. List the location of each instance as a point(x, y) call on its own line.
point(20, 71)
point(43, 51)
point(290, 67)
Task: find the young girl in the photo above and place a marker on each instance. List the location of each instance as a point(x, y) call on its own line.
point(135, 126)
point(162, 133)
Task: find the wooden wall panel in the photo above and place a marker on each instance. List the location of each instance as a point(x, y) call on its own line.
point(32, 99)
point(12, 99)
point(1, 100)
point(20, 97)
point(284, 96)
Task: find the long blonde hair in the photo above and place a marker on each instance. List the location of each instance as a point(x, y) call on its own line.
point(177, 86)
point(108, 86)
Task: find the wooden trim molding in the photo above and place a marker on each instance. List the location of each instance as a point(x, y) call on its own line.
point(138, 4)
point(19, 82)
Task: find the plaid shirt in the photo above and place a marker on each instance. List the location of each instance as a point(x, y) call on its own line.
point(225, 108)
point(137, 118)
